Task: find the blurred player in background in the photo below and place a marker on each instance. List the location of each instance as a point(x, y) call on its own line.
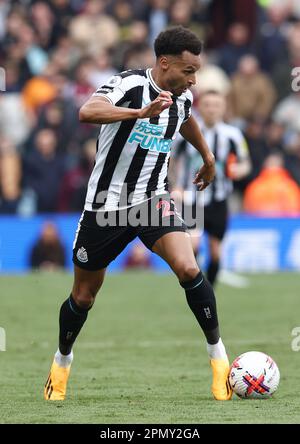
point(229, 147)
point(141, 112)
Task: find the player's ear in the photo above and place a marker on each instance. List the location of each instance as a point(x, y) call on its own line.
point(163, 62)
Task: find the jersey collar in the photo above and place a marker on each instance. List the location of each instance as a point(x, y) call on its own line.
point(154, 85)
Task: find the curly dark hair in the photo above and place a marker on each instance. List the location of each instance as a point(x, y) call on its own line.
point(175, 40)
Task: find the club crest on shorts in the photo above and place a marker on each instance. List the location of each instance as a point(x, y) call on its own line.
point(82, 255)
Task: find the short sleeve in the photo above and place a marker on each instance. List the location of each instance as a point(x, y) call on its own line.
point(238, 145)
point(116, 90)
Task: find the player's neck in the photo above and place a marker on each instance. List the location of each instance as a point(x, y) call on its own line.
point(157, 77)
point(209, 124)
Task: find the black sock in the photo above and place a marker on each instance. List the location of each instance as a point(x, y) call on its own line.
point(71, 319)
point(201, 299)
point(212, 271)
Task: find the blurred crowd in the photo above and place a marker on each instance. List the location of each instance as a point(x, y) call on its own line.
point(56, 53)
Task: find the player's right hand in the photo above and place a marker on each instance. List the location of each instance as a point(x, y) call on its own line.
point(162, 101)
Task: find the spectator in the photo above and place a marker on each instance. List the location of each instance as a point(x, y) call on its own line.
point(35, 56)
point(293, 41)
point(157, 18)
point(63, 11)
point(74, 183)
point(263, 140)
point(274, 137)
point(181, 13)
point(138, 257)
point(136, 40)
point(14, 121)
point(211, 77)
point(48, 253)
point(40, 90)
point(4, 9)
point(103, 69)
point(252, 92)
point(137, 57)
point(287, 112)
point(291, 7)
point(93, 29)
point(273, 192)
point(14, 54)
point(43, 169)
point(295, 8)
point(65, 55)
point(282, 69)
point(15, 19)
point(60, 116)
point(123, 14)
point(292, 156)
point(43, 21)
point(236, 47)
point(271, 45)
point(254, 134)
point(82, 87)
point(10, 176)
point(222, 14)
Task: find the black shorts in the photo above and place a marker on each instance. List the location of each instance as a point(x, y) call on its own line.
point(215, 219)
point(102, 236)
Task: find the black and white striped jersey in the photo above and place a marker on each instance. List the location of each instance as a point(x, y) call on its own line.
point(222, 140)
point(133, 155)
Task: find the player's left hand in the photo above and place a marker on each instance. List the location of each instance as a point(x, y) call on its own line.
point(205, 175)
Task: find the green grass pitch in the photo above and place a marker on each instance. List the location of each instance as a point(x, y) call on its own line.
point(141, 357)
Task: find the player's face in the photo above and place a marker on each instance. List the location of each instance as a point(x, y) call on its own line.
point(212, 108)
point(180, 71)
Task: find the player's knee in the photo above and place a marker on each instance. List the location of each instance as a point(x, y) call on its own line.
point(186, 271)
point(84, 298)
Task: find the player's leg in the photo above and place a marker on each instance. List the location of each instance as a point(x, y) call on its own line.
point(195, 239)
point(176, 249)
point(214, 261)
point(215, 223)
point(74, 311)
point(72, 316)
point(95, 246)
point(214, 254)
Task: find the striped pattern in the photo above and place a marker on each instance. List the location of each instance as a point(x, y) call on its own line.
point(223, 140)
point(126, 173)
point(228, 388)
point(48, 388)
point(56, 384)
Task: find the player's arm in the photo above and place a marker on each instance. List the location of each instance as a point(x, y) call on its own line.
point(240, 166)
point(100, 110)
point(191, 132)
point(240, 169)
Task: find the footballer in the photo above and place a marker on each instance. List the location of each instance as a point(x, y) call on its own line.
point(140, 112)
